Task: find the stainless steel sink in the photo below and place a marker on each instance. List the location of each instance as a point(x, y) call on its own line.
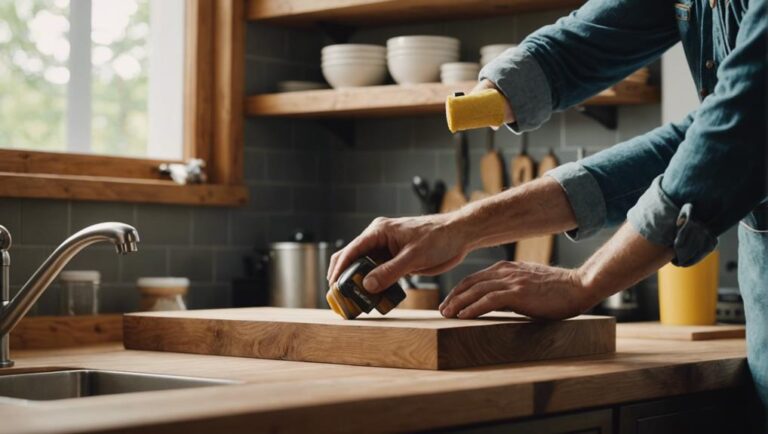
point(79, 383)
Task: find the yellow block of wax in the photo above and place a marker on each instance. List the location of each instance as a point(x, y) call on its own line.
point(477, 110)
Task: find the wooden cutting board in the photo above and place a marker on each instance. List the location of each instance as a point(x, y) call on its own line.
point(419, 339)
point(655, 330)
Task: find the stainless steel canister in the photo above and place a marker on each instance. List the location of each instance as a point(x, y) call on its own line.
point(294, 275)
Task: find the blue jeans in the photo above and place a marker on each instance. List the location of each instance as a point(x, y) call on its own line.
point(753, 281)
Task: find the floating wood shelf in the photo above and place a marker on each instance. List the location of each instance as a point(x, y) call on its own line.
point(395, 100)
point(367, 12)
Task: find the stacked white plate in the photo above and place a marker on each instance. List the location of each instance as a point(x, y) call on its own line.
point(354, 65)
point(455, 72)
point(417, 59)
point(490, 52)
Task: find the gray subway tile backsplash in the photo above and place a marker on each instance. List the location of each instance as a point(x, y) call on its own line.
point(303, 176)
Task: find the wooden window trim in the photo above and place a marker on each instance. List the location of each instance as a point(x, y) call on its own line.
point(213, 94)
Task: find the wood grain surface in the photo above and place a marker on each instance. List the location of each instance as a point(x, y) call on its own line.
point(655, 330)
point(293, 397)
point(396, 100)
point(66, 331)
point(377, 12)
point(419, 339)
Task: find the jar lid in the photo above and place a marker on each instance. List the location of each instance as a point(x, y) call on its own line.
point(80, 276)
point(162, 282)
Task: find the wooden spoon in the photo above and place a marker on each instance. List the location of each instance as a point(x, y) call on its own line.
point(454, 197)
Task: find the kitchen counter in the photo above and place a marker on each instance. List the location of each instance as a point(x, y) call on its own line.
point(282, 396)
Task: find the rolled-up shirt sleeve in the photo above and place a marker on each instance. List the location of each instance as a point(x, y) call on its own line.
point(718, 173)
point(563, 64)
point(603, 187)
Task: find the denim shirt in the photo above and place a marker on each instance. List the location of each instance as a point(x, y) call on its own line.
point(684, 183)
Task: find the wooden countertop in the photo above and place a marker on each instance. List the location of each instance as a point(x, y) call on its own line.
point(282, 396)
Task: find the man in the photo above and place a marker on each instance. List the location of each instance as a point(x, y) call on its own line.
point(678, 186)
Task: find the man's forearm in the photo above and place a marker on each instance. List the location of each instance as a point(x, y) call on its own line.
point(535, 208)
point(624, 260)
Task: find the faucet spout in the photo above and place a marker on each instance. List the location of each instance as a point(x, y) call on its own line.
point(123, 236)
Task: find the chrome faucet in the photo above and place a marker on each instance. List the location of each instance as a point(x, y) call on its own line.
point(123, 236)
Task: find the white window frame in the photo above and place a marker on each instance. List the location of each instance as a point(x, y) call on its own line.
point(166, 79)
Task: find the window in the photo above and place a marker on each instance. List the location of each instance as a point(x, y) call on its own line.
point(102, 77)
point(66, 137)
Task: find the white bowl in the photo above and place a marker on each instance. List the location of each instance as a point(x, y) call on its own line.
point(495, 48)
point(361, 55)
point(422, 41)
point(415, 69)
point(354, 62)
point(459, 66)
point(424, 51)
point(354, 74)
point(353, 48)
point(447, 57)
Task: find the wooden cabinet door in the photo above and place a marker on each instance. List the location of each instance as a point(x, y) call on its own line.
point(721, 412)
point(588, 422)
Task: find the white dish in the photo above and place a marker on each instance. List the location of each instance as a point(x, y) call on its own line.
point(422, 41)
point(415, 69)
point(460, 66)
point(495, 48)
point(354, 62)
point(354, 74)
point(447, 57)
point(424, 52)
point(353, 48)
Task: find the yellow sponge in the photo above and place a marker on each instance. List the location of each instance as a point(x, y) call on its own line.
point(477, 110)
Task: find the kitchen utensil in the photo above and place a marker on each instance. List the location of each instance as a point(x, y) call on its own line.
point(521, 169)
point(477, 110)
point(79, 292)
point(162, 293)
point(656, 330)
point(421, 188)
point(492, 166)
point(436, 196)
point(420, 339)
point(348, 298)
point(454, 198)
point(688, 295)
point(491, 170)
point(537, 249)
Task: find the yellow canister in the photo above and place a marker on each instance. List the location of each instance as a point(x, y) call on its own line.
point(688, 295)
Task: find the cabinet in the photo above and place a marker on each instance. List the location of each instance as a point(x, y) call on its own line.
point(717, 412)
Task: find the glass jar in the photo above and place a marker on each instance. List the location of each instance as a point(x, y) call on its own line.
point(162, 293)
point(79, 292)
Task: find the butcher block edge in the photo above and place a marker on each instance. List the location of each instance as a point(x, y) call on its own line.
point(404, 339)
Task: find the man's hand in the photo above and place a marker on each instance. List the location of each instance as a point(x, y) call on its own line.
point(426, 245)
point(534, 290)
point(509, 114)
